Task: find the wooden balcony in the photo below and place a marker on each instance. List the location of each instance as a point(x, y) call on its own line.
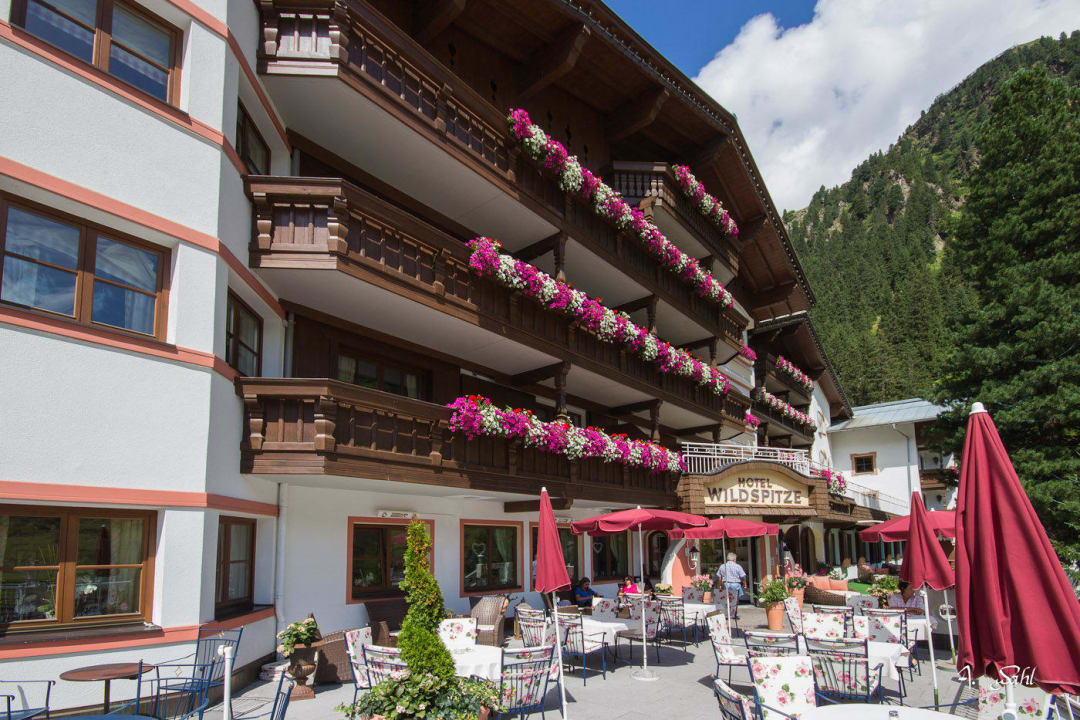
point(654, 188)
point(307, 226)
point(780, 426)
point(779, 382)
point(325, 427)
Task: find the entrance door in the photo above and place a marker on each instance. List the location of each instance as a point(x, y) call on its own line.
point(656, 545)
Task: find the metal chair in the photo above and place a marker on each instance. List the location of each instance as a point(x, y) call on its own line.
point(355, 640)
point(174, 691)
point(532, 631)
point(652, 628)
point(31, 711)
point(782, 682)
point(281, 699)
point(576, 644)
point(847, 612)
point(733, 705)
point(673, 617)
point(844, 646)
point(723, 649)
point(208, 644)
point(845, 676)
point(524, 679)
point(384, 663)
point(761, 643)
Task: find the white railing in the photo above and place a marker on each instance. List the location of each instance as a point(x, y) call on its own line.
point(875, 499)
point(705, 458)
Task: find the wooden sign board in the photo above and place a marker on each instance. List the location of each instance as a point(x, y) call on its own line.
point(756, 488)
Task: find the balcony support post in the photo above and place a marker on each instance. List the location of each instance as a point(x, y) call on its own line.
point(560, 392)
point(654, 421)
point(253, 411)
point(325, 415)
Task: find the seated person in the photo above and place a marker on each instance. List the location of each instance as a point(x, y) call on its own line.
point(583, 593)
point(630, 586)
point(908, 599)
point(866, 571)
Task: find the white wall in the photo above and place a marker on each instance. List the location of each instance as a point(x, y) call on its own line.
point(894, 465)
point(820, 450)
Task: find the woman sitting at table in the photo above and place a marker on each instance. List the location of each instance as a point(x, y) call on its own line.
point(908, 599)
point(583, 593)
point(630, 586)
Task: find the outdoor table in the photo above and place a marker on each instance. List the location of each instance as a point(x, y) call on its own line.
point(923, 623)
point(865, 711)
point(887, 654)
point(703, 609)
point(106, 673)
point(483, 661)
point(593, 626)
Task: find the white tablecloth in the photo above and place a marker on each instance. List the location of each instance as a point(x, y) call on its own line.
point(590, 626)
point(482, 661)
point(864, 711)
point(886, 653)
point(702, 609)
point(919, 622)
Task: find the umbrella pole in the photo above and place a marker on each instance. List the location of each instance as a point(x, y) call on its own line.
point(949, 619)
point(930, 645)
point(558, 651)
point(723, 586)
point(644, 673)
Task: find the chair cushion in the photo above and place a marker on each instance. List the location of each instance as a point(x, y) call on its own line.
point(837, 584)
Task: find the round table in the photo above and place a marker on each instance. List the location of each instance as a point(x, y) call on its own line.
point(483, 661)
point(866, 711)
point(107, 673)
point(592, 626)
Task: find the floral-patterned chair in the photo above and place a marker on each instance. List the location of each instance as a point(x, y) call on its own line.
point(726, 653)
point(384, 663)
point(860, 627)
point(794, 615)
point(673, 617)
point(579, 644)
point(533, 631)
point(823, 626)
point(355, 640)
point(605, 608)
point(725, 599)
point(1031, 702)
point(783, 686)
point(862, 602)
point(458, 632)
point(693, 594)
point(733, 705)
point(890, 626)
point(524, 678)
point(840, 675)
point(845, 612)
point(761, 643)
point(652, 627)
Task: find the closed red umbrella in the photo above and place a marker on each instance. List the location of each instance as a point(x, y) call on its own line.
point(724, 528)
point(896, 529)
point(551, 575)
point(1016, 611)
point(925, 564)
point(640, 519)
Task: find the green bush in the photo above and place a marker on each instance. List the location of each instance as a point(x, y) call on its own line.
point(885, 586)
point(773, 591)
point(425, 696)
point(419, 639)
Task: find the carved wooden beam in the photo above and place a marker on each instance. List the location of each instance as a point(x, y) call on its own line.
point(434, 16)
point(552, 62)
point(520, 506)
point(540, 247)
point(635, 115)
point(698, 429)
point(706, 153)
point(768, 297)
point(639, 304)
point(749, 231)
point(632, 408)
point(541, 373)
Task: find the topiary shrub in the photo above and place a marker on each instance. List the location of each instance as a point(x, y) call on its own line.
point(419, 640)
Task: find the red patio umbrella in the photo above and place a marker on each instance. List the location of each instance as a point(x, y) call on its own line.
point(925, 564)
point(724, 528)
point(1016, 610)
point(940, 521)
point(640, 519)
point(551, 575)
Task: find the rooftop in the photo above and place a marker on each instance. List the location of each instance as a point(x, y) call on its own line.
point(911, 410)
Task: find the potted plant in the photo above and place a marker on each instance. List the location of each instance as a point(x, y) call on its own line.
point(662, 589)
point(796, 582)
point(771, 594)
point(884, 587)
point(297, 644)
point(430, 690)
point(701, 584)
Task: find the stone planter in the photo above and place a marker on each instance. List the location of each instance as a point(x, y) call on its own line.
point(774, 612)
point(302, 666)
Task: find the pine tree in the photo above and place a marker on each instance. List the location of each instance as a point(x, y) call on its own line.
point(1016, 341)
point(419, 641)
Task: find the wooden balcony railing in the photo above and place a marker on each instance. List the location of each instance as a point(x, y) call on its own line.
point(802, 432)
point(322, 426)
point(766, 366)
point(378, 58)
point(656, 181)
point(306, 222)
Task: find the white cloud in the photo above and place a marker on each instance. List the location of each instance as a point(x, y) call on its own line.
point(815, 100)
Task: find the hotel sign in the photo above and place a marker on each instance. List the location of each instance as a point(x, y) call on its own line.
point(756, 487)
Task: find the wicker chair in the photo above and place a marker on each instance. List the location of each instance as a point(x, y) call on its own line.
point(490, 614)
point(817, 596)
point(333, 665)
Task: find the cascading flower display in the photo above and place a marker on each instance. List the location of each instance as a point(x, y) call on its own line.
point(475, 416)
point(705, 203)
point(606, 324)
point(606, 202)
point(769, 400)
point(834, 481)
point(751, 420)
point(789, 369)
point(747, 352)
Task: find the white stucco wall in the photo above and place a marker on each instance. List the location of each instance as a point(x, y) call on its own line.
point(897, 464)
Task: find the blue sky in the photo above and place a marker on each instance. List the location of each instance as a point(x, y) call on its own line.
point(818, 85)
point(691, 32)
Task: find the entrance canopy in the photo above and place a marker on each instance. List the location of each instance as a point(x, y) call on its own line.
point(725, 528)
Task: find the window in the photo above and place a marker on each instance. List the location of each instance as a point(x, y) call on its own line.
point(864, 464)
point(383, 374)
point(236, 566)
point(77, 271)
point(570, 544)
point(250, 146)
point(378, 559)
point(74, 565)
point(490, 557)
point(243, 337)
point(610, 560)
point(125, 41)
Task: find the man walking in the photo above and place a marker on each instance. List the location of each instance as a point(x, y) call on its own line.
point(732, 578)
